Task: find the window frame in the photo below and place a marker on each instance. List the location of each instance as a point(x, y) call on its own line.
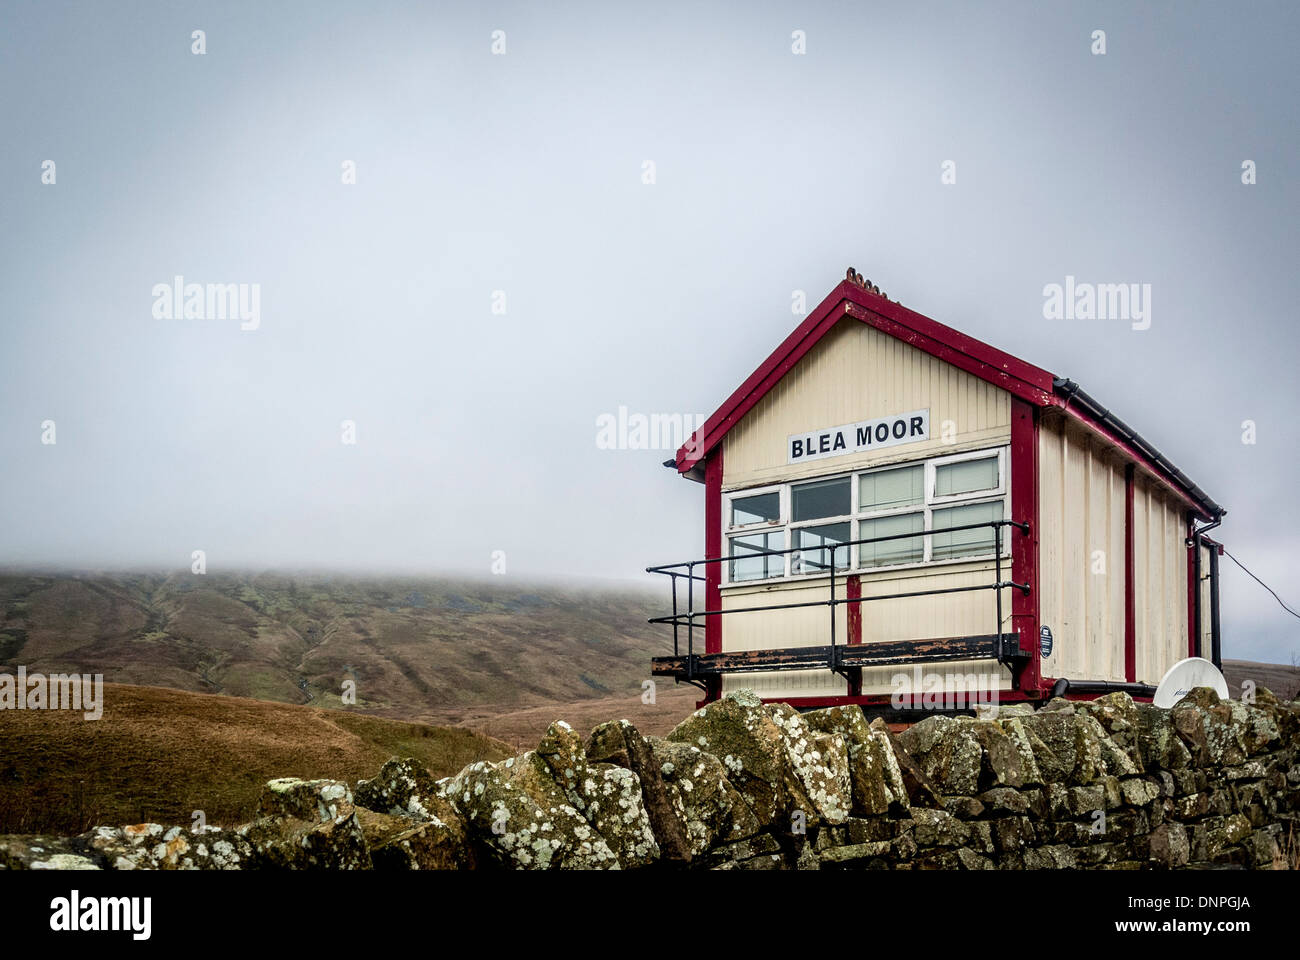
point(748, 529)
point(928, 504)
point(793, 526)
point(932, 478)
point(783, 507)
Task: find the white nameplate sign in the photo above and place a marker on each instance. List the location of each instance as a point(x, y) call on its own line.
point(857, 437)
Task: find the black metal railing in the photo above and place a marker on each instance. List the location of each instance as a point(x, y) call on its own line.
point(686, 570)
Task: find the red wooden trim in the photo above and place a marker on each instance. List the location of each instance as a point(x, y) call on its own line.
point(984, 361)
point(882, 699)
point(1024, 548)
point(713, 571)
point(1130, 598)
point(1191, 592)
point(995, 372)
point(853, 614)
point(953, 339)
point(1016, 376)
point(758, 383)
point(853, 591)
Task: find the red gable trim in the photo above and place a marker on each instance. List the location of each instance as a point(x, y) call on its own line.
point(1022, 380)
point(1017, 377)
point(791, 350)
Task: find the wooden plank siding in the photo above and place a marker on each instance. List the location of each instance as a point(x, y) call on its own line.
point(855, 373)
point(1082, 563)
point(1082, 518)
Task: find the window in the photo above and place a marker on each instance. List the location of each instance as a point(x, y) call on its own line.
point(826, 498)
point(814, 553)
point(893, 487)
point(901, 549)
point(965, 543)
point(811, 505)
point(912, 507)
point(882, 494)
point(761, 508)
point(964, 477)
point(749, 560)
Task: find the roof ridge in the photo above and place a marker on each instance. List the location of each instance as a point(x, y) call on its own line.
point(857, 279)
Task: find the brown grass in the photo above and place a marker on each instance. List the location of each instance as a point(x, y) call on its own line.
point(522, 729)
point(159, 754)
point(1282, 679)
point(1287, 854)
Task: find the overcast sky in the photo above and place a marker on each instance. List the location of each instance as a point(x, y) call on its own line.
point(524, 173)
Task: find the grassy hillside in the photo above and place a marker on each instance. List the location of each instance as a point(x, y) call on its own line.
point(416, 648)
point(1283, 680)
point(159, 754)
point(523, 728)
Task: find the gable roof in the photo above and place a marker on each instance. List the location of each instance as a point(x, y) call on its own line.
point(854, 297)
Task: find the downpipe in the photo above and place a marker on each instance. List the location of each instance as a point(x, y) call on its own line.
point(1195, 543)
point(1064, 686)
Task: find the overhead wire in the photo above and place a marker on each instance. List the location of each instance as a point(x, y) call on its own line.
point(1263, 584)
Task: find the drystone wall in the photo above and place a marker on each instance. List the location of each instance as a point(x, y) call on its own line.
point(743, 785)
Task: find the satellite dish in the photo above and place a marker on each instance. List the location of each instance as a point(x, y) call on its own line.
point(1184, 676)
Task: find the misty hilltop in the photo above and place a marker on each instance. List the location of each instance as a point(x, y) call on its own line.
point(404, 646)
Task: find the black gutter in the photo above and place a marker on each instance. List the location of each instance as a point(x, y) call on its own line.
point(1072, 392)
point(1062, 686)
